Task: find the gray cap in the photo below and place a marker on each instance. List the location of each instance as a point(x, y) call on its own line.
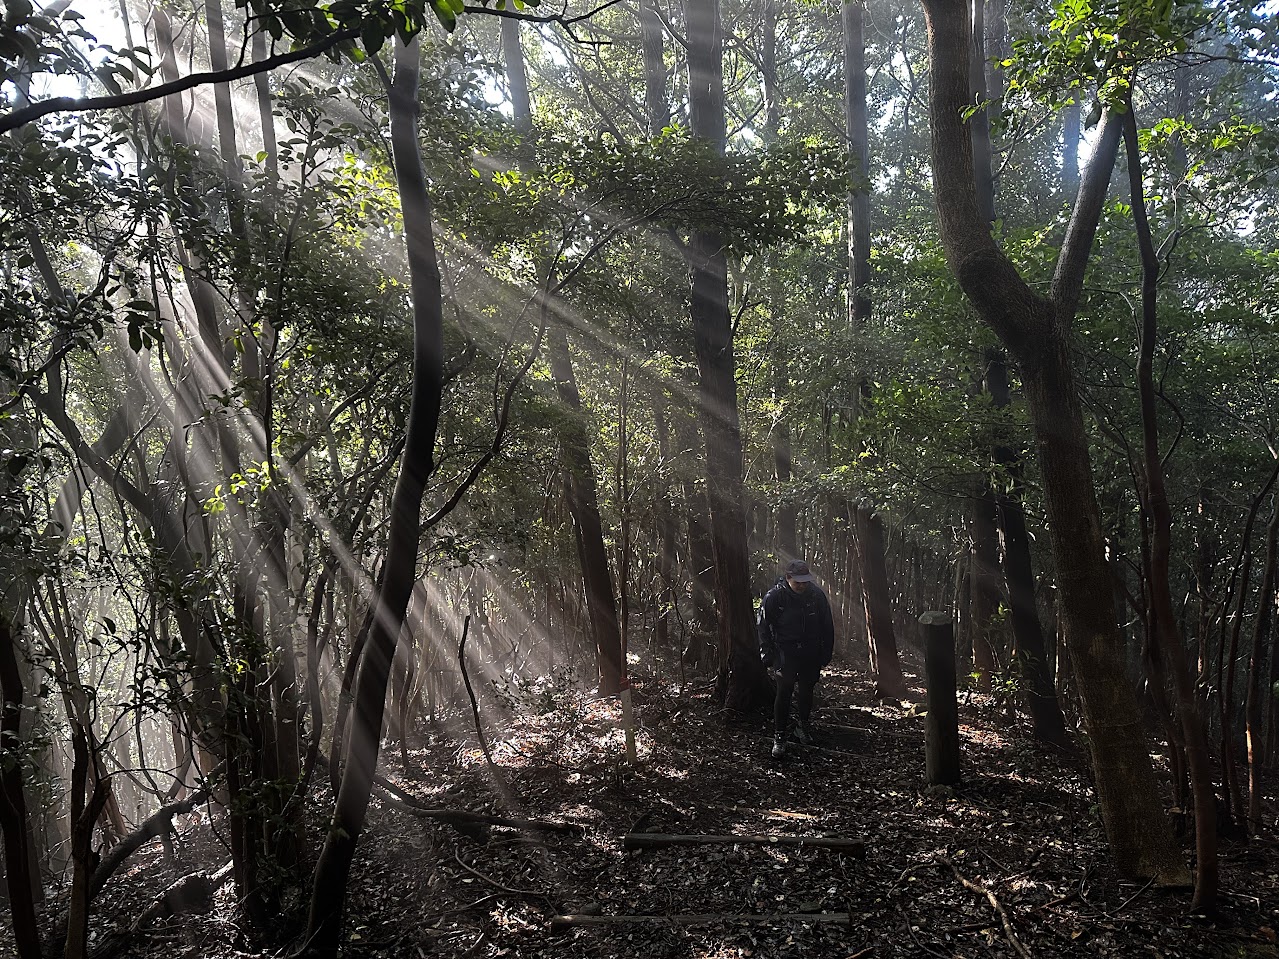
point(798, 571)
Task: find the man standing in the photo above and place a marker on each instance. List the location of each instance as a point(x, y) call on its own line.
point(797, 638)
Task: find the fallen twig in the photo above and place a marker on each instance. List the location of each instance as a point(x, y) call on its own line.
point(560, 923)
point(1127, 901)
point(911, 929)
point(647, 840)
point(493, 882)
point(995, 904)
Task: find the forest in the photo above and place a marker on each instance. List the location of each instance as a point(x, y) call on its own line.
point(406, 405)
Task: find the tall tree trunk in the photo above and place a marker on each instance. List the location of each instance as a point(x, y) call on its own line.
point(1226, 656)
point(743, 683)
point(699, 563)
point(868, 529)
point(328, 897)
point(583, 505)
point(664, 510)
point(1161, 608)
point(1036, 332)
point(575, 444)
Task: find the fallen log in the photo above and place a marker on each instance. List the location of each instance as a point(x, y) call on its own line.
point(650, 840)
point(190, 895)
point(561, 923)
point(155, 826)
point(387, 792)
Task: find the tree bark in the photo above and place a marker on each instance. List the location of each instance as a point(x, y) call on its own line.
point(328, 898)
point(583, 504)
point(656, 103)
point(743, 684)
point(885, 666)
point(867, 529)
point(1036, 332)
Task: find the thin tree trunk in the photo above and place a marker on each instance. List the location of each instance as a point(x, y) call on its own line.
point(984, 583)
point(1161, 609)
point(867, 529)
point(1257, 669)
point(1226, 656)
point(575, 446)
point(1028, 635)
point(328, 898)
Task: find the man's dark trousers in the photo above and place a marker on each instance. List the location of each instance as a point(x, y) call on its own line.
point(798, 676)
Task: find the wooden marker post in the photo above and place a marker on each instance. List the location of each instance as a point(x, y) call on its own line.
point(628, 720)
point(941, 728)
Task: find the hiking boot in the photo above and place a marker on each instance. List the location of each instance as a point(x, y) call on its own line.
point(804, 736)
point(779, 745)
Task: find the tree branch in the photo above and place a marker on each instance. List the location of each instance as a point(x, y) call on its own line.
point(17, 118)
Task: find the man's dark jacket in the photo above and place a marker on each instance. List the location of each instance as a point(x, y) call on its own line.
point(796, 625)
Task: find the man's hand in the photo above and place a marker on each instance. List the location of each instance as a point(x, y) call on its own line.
point(768, 656)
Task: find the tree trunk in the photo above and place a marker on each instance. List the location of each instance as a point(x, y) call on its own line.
point(653, 35)
point(885, 666)
point(743, 684)
point(14, 819)
point(699, 563)
point(583, 506)
point(575, 446)
point(1036, 332)
point(1028, 635)
point(664, 511)
point(324, 924)
point(1257, 693)
point(1161, 609)
point(984, 583)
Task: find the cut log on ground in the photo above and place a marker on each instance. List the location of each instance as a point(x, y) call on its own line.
point(648, 840)
point(561, 923)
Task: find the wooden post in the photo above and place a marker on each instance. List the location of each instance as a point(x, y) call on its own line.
point(941, 729)
point(628, 720)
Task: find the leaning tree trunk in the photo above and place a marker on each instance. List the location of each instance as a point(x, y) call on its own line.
point(742, 679)
point(328, 897)
point(1036, 332)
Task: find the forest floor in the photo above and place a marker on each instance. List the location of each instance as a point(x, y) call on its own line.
point(1022, 830)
